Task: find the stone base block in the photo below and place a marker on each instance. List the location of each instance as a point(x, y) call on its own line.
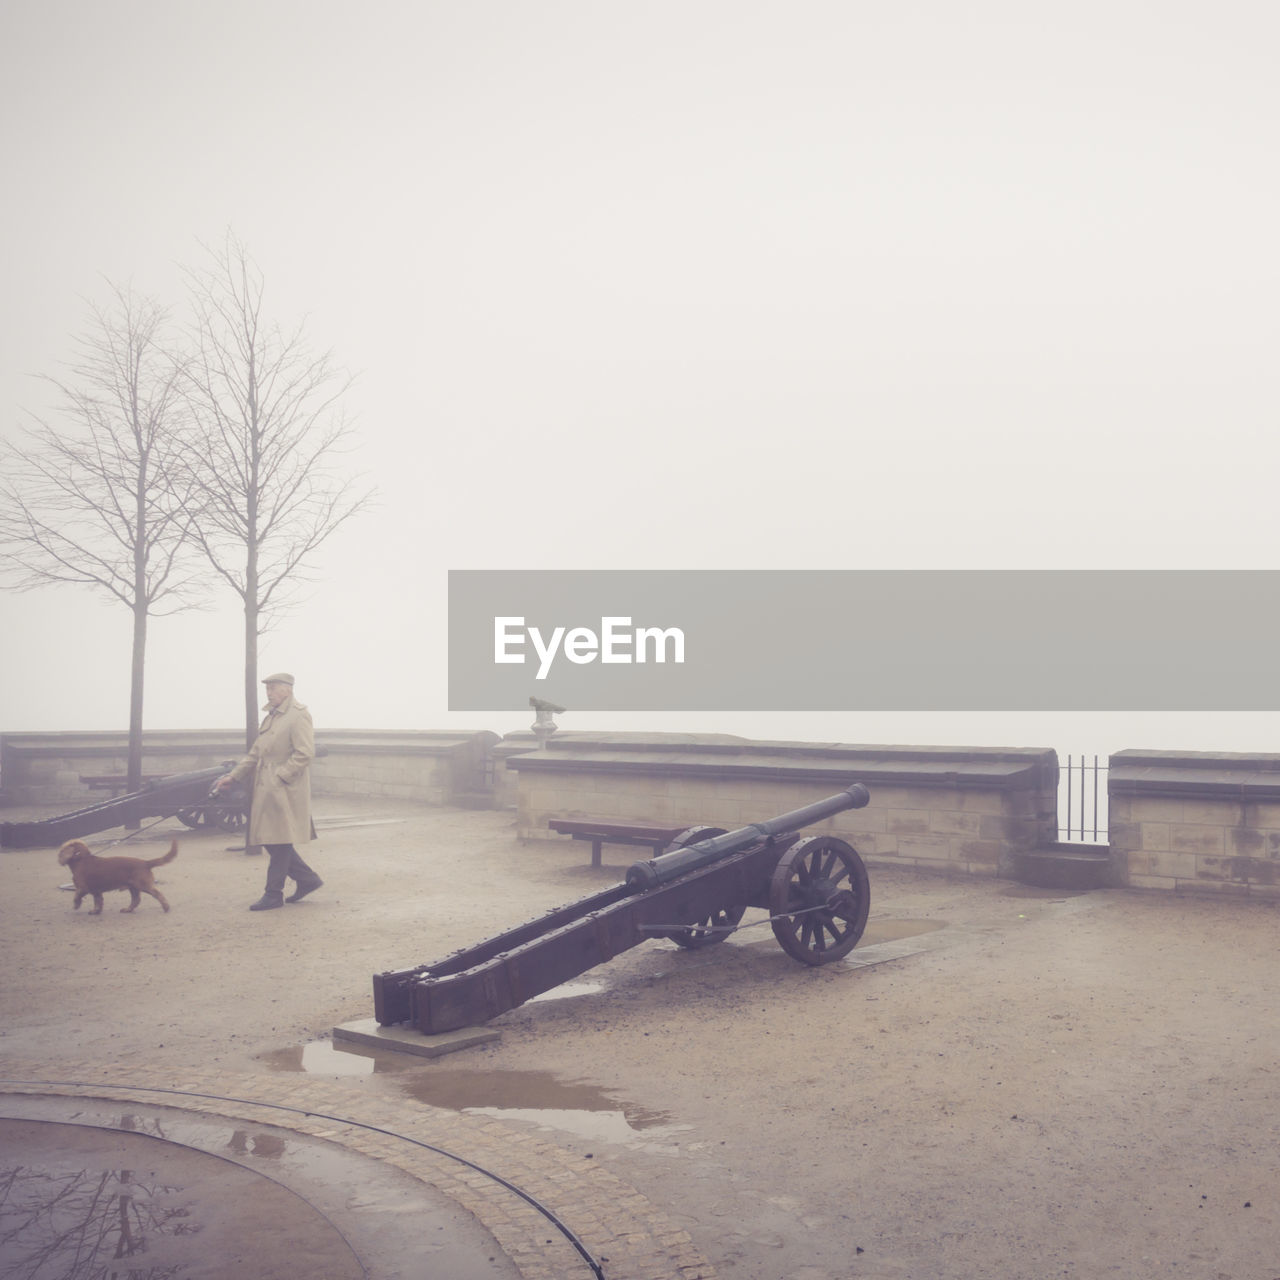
point(369, 1035)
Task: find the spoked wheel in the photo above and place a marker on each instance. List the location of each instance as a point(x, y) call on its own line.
point(710, 929)
point(819, 897)
point(707, 931)
point(191, 817)
point(228, 819)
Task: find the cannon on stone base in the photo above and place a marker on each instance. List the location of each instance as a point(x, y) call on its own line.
point(815, 888)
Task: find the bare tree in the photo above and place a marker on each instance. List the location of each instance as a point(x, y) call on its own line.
point(90, 502)
point(76, 1223)
point(266, 433)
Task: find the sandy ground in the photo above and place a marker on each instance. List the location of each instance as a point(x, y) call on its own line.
point(1055, 1085)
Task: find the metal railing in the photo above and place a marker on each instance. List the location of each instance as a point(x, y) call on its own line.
point(1082, 801)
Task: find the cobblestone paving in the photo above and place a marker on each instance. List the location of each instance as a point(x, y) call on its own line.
point(625, 1233)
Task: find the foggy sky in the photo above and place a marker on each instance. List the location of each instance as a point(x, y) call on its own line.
point(699, 285)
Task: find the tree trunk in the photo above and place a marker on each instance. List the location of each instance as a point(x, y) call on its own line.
point(250, 672)
point(251, 695)
point(134, 779)
point(251, 584)
point(141, 607)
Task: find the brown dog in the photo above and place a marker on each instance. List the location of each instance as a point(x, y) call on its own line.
point(95, 876)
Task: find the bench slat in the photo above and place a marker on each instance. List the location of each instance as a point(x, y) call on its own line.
point(602, 833)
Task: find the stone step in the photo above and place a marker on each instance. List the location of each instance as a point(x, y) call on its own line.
point(1065, 866)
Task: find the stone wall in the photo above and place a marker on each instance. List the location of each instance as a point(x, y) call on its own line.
point(47, 768)
point(1179, 820)
point(1191, 821)
point(435, 767)
point(505, 779)
point(970, 810)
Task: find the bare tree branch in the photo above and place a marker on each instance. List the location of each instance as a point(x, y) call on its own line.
point(95, 499)
point(265, 425)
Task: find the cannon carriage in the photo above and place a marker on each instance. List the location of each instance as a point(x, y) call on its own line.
point(186, 796)
point(815, 889)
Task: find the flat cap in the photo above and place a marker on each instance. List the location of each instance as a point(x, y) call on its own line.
point(280, 677)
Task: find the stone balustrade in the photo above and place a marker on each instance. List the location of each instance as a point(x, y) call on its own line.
point(969, 810)
point(438, 767)
point(1196, 821)
point(1179, 820)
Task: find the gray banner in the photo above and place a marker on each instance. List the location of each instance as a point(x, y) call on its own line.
point(865, 640)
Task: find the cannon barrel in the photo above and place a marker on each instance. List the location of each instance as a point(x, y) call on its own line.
point(642, 876)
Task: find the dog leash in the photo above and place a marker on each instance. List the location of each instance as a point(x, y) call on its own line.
point(164, 817)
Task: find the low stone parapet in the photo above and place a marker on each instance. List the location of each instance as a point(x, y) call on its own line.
point(1196, 821)
point(434, 766)
point(505, 782)
point(970, 810)
point(47, 768)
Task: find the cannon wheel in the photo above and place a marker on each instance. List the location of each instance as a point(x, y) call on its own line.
point(191, 817)
point(700, 933)
point(228, 819)
point(819, 872)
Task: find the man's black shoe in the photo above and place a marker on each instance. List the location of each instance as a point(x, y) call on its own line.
point(303, 889)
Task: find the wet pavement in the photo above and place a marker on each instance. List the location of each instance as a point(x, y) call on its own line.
point(87, 1187)
point(177, 1176)
point(669, 1108)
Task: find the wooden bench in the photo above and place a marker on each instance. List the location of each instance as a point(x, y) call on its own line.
point(602, 833)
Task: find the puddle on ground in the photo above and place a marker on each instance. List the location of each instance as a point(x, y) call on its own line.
point(322, 1058)
point(541, 1098)
point(892, 930)
point(537, 1097)
point(268, 1145)
point(86, 1202)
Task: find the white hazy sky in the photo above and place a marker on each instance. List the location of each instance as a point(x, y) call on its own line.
point(707, 284)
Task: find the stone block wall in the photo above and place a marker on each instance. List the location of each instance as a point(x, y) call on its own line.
point(1202, 822)
point(504, 777)
point(967, 810)
point(432, 766)
point(437, 767)
point(47, 768)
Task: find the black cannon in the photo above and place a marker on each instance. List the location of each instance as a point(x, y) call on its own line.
point(187, 796)
point(815, 888)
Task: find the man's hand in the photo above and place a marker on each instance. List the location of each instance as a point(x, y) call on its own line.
point(222, 783)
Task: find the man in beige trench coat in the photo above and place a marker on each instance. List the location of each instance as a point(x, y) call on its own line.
point(280, 808)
